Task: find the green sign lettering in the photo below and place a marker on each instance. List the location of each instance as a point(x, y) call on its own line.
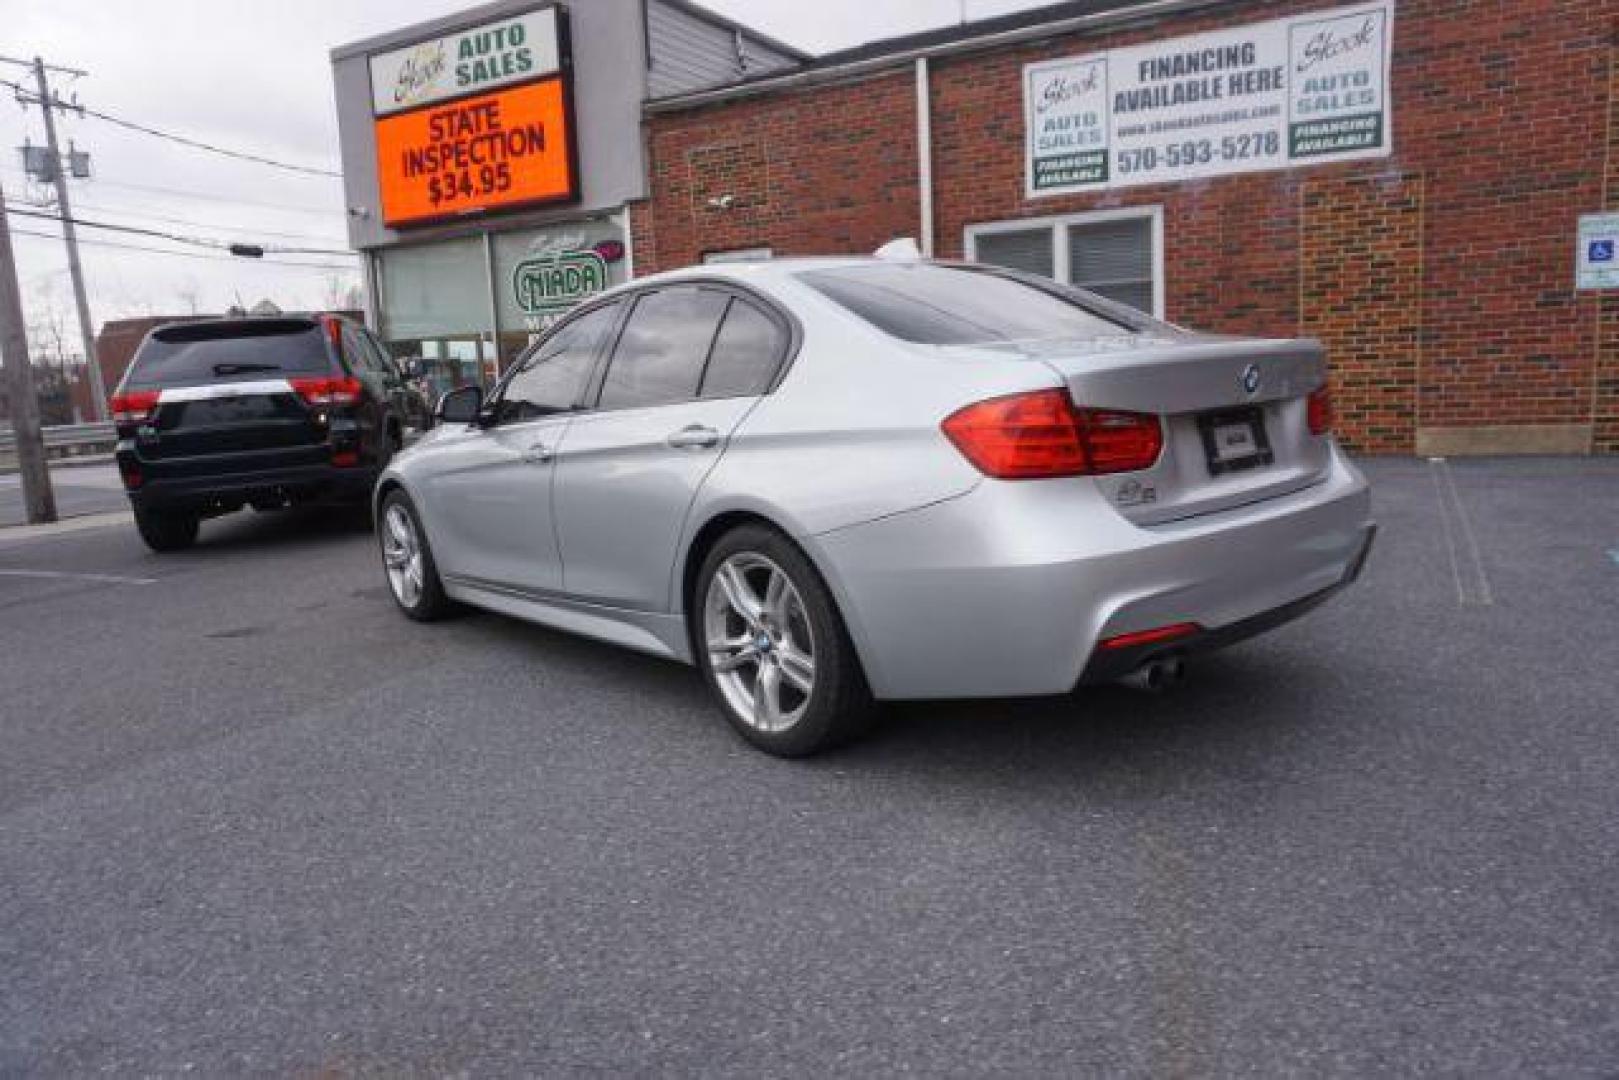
point(553, 283)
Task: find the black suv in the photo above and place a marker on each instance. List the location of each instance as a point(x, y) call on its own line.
point(263, 412)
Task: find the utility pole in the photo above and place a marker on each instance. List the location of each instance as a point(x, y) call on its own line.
point(36, 476)
point(98, 391)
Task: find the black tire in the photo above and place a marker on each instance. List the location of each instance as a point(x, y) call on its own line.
point(392, 442)
point(429, 603)
point(839, 705)
point(167, 530)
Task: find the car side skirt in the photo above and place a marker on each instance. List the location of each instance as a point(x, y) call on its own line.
point(654, 633)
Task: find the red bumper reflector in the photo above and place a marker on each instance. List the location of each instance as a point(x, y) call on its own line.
point(1156, 636)
point(345, 459)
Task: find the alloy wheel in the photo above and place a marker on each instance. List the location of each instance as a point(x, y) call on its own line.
point(760, 644)
point(402, 555)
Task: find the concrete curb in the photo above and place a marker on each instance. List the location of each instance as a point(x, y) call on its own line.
point(10, 534)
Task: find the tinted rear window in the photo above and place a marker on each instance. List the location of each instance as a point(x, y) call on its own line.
point(194, 353)
point(745, 355)
point(944, 305)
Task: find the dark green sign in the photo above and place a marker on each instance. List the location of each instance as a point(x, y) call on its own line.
point(1339, 135)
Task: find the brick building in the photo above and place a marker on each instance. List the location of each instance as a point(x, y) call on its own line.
point(1438, 268)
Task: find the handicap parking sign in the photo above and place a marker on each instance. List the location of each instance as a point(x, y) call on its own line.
point(1597, 260)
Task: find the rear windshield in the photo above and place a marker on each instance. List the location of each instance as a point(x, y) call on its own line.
point(948, 305)
point(193, 353)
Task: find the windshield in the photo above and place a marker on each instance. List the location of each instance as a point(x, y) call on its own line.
point(931, 304)
point(193, 353)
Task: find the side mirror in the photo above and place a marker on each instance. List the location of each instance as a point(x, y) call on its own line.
point(459, 406)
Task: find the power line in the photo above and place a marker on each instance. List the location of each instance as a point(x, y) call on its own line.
point(12, 208)
point(336, 267)
point(160, 234)
point(195, 144)
point(205, 196)
point(198, 224)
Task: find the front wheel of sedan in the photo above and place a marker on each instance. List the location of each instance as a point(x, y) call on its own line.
point(408, 561)
point(773, 648)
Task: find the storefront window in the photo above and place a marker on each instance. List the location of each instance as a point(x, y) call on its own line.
point(540, 274)
point(434, 301)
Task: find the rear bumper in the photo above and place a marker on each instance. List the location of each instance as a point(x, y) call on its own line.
point(1109, 665)
point(230, 481)
point(1005, 591)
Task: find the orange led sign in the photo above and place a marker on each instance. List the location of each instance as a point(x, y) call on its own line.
point(497, 150)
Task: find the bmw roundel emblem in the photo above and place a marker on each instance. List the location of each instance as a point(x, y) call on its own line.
point(1250, 378)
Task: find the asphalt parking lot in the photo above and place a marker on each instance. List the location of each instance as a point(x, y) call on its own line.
point(251, 820)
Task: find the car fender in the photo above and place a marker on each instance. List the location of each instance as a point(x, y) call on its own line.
point(704, 512)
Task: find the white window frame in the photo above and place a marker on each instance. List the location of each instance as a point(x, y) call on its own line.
point(1059, 225)
point(736, 255)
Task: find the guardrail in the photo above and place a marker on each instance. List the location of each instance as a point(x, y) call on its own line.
point(67, 437)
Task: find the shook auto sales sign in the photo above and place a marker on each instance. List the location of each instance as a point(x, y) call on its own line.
point(475, 121)
point(1303, 90)
point(513, 50)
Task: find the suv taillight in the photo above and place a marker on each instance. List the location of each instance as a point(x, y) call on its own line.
point(1319, 410)
point(134, 406)
point(334, 332)
point(341, 390)
point(1043, 434)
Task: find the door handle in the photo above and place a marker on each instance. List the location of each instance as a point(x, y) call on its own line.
point(694, 437)
point(538, 454)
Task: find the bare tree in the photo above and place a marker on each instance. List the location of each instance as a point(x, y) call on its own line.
point(335, 296)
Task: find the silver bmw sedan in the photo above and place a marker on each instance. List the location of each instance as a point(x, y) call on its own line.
point(828, 482)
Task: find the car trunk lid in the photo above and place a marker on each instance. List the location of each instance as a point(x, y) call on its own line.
point(1234, 415)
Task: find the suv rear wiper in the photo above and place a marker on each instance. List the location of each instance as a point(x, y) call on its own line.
point(240, 369)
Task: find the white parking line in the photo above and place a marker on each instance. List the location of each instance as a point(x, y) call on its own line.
point(1466, 563)
point(70, 575)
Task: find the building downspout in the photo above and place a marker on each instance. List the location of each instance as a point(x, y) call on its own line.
point(371, 292)
point(924, 155)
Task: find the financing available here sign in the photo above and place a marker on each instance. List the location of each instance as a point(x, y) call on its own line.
point(1303, 90)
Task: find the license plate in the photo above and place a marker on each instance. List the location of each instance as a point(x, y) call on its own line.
point(1235, 440)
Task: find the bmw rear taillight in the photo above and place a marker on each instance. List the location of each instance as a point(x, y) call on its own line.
point(1319, 409)
point(1042, 434)
point(134, 406)
point(333, 391)
point(1120, 441)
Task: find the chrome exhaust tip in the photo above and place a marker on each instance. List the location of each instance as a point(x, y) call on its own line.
point(1156, 676)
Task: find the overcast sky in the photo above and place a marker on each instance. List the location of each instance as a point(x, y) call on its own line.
point(253, 76)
